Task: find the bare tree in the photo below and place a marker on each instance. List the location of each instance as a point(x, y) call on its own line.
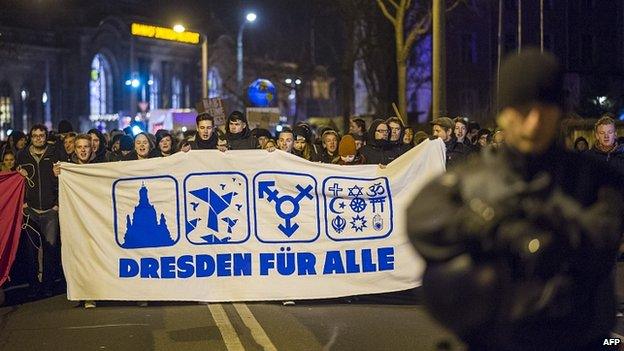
point(402, 13)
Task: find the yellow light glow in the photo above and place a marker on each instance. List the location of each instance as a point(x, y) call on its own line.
point(149, 31)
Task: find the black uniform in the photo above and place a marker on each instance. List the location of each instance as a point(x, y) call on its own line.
point(520, 249)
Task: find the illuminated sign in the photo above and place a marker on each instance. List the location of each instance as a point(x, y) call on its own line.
point(146, 30)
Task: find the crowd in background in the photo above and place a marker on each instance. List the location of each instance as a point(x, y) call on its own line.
point(36, 156)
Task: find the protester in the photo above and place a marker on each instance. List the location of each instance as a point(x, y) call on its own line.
point(126, 145)
point(8, 162)
point(348, 153)
point(238, 135)
point(263, 135)
point(164, 145)
point(396, 147)
point(498, 139)
point(456, 152)
point(330, 141)
point(520, 244)
point(302, 145)
point(606, 147)
point(461, 132)
point(376, 149)
point(360, 140)
point(484, 138)
point(83, 150)
point(98, 144)
point(205, 137)
point(222, 143)
point(357, 126)
point(408, 137)
point(420, 136)
point(142, 148)
point(68, 146)
point(473, 130)
point(285, 140)
point(270, 145)
point(37, 164)
point(16, 142)
point(580, 145)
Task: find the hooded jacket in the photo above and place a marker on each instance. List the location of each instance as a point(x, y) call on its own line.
point(243, 140)
point(41, 183)
point(376, 151)
point(101, 154)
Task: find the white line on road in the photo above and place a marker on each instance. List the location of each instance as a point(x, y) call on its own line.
point(108, 326)
point(254, 326)
point(232, 342)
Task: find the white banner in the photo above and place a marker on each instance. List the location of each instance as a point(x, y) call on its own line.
point(240, 225)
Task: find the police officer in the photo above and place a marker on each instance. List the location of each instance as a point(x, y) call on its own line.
point(521, 246)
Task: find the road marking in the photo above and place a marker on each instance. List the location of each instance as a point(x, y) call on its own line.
point(254, 326)
point(107, 326)
point(232, 342)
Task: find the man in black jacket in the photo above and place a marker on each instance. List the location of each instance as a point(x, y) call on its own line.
point(37, 163)
point(456, 152)
point(607, 147)
point(520, 243)
point(238, 134)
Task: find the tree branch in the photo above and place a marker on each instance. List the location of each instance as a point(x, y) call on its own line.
point(419, 29)
point(455, 4)
point(384, 9)
point(396, 6)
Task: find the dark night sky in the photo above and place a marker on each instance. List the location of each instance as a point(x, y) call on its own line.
point(282, 31)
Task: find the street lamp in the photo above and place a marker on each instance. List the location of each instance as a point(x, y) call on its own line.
point(249, 18)
point(178, 28)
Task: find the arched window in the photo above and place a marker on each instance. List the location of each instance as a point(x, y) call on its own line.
point(6, 107)
point(176, 92)
point(215, 84)
point(100, 86)
point(154, 84)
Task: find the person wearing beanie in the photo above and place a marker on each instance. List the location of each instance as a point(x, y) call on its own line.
point(302, 145)
point(349, 154)
point(126, 144)
point(65, 127)
point(520, 244)
point(238, 134)
point(376, 151)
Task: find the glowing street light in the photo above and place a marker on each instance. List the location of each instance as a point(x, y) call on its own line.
point(288, 81)
point(251, 17)
point(178, 28)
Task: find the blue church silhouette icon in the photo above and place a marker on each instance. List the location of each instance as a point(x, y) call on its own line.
point(144, 229)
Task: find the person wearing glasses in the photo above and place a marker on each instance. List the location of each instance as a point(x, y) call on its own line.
point(38, 164)
point(377, 148)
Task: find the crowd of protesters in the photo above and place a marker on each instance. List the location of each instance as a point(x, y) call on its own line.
point(36, 156)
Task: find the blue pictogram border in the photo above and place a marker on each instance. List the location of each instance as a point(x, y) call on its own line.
point(318, 220)
point(327, 221)
point(246, 199)
point(175, 181)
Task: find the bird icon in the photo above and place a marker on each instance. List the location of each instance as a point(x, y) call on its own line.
point(222, 186)
point(239, 206)
point(194, 204)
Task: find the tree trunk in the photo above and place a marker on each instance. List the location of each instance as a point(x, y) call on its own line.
point(402, 85)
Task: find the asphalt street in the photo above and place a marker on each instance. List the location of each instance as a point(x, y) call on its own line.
point(342, 324)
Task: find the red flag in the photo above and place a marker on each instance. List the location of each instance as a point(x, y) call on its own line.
point(11, 201)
